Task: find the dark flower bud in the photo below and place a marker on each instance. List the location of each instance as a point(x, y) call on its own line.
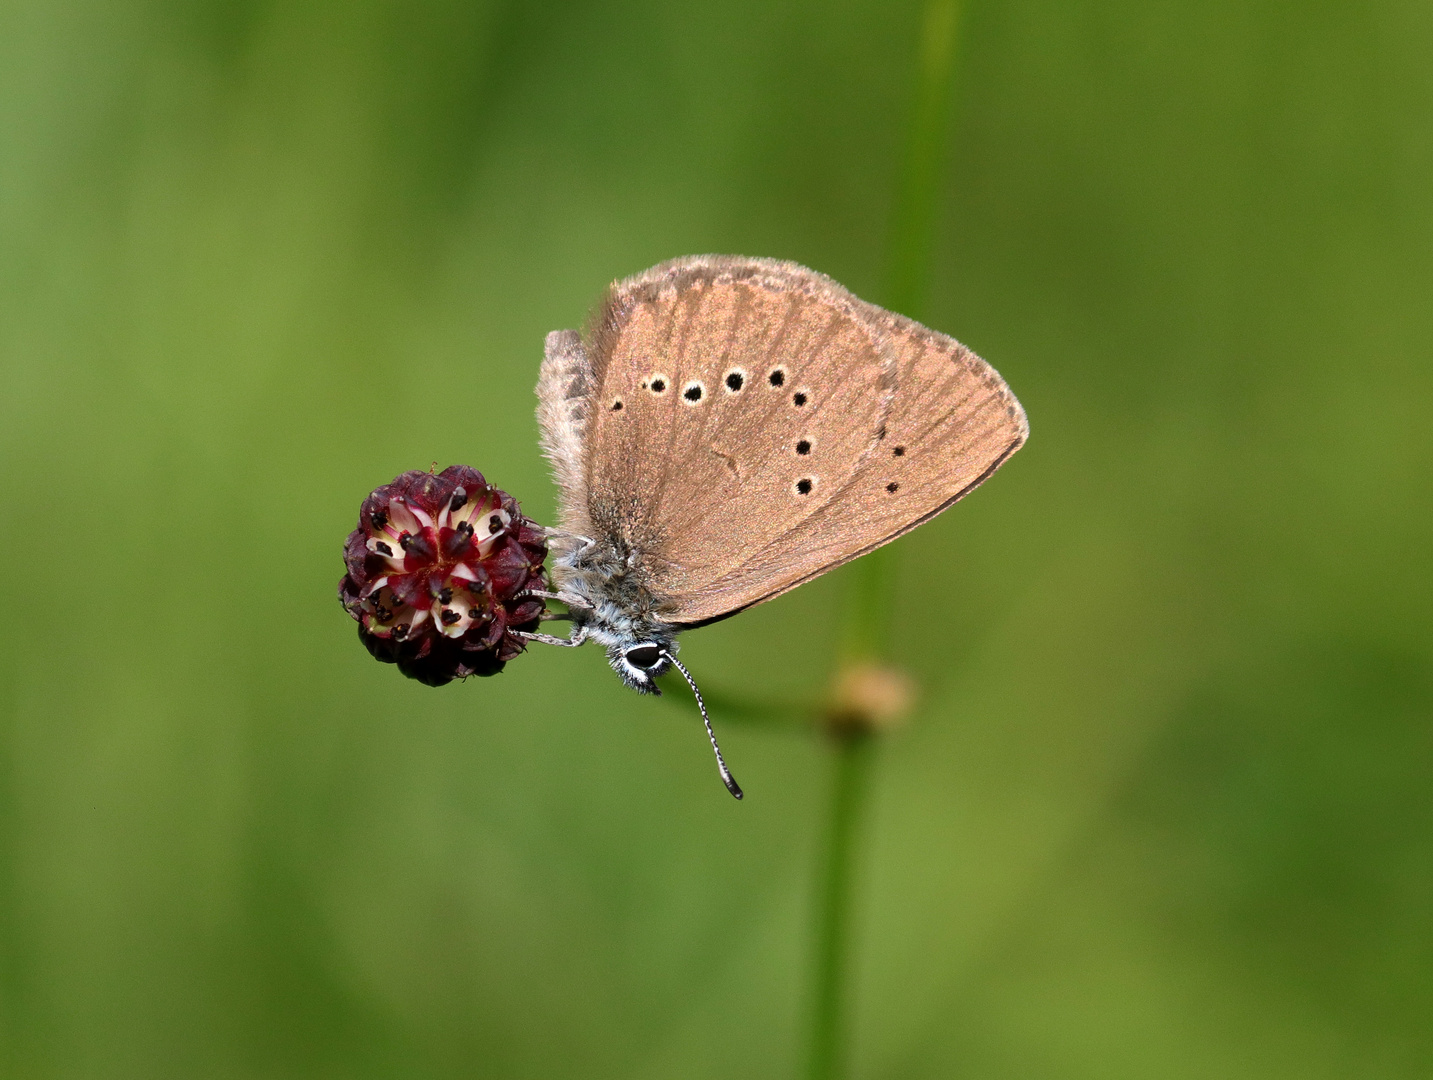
point(437, 571)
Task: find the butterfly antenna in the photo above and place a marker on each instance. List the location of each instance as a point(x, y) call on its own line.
point(726, 776)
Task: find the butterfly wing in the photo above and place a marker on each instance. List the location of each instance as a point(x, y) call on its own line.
point(708, 376)
point(728, 421)
point(952, 423)
point(564, 398)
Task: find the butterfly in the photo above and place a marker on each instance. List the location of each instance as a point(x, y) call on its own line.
point(727, 428)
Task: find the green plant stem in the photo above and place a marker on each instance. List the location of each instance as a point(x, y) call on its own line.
point(918, 194)
point(850, 786)
point(866, 627)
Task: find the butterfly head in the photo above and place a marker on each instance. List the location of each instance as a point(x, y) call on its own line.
point(638, 663)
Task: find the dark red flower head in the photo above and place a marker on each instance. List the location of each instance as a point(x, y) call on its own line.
point(436, 573)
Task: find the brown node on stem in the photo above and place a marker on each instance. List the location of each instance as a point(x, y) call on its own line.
point(868, 699)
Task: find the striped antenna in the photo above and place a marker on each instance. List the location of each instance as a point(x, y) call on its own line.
point(726, 776)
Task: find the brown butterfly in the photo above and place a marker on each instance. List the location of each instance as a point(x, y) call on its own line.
point(727, 428)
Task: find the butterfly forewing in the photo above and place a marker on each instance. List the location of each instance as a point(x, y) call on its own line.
point(735, 398)
point(743, 425)
point(952, 423)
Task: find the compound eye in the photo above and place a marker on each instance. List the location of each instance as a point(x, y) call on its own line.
point(644, 656)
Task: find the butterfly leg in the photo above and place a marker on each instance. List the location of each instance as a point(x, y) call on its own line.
point(547, 639)
point(558, 534)
point(569, 599)
point(577, 545)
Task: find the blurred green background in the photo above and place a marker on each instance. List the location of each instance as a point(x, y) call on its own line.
point(1166, 809)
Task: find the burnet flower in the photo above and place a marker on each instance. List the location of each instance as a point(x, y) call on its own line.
point(437, 573)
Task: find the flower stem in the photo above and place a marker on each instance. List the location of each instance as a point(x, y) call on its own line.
point(867, 620)
point(913, 221)
point(850, 785)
